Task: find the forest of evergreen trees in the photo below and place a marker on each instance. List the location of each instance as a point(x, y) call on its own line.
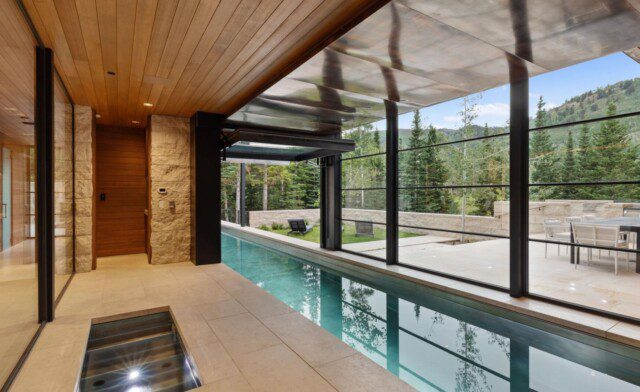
point(594, 152)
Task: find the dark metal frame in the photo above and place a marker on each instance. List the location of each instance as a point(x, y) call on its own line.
point(44, 182)
point(518, 196)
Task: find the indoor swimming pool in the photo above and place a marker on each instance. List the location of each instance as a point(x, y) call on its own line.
point(431, 340)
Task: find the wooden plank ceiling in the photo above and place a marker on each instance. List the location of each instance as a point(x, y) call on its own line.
point(180, 55)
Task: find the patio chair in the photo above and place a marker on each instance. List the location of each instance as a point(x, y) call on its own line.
point(555, 230)
point(610, 236)
point(584, 234)
point(298, 226)
point(364, 228)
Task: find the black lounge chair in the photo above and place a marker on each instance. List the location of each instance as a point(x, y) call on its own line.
point(364, 228)
point(298, 226)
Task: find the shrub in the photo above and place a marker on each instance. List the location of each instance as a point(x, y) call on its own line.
point(277, 226)
point(264, 227)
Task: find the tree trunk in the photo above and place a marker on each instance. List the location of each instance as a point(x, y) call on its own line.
point(265, 189)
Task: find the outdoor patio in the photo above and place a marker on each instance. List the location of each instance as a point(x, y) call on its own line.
point(593, 285)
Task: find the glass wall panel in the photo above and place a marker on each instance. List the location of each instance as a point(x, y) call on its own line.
point(453, 189)
point(275, 193)
point(18, 269)
point(585, 191)
point(364, 195)
point(63, 186)
point(230, 192)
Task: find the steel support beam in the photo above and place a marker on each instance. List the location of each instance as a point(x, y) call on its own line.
point(205, 185)
point(392, 182)
point(44, 182)
point(243, 195)
point(519, 179)
point(330, 203)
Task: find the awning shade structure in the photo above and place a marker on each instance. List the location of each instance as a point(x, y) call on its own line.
point(277, 146)
point(419, 53)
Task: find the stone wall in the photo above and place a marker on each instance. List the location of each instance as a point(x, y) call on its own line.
point(170, 215)
point(63, 182)
point(259, 218)
point(497, 224)
point(85, 149)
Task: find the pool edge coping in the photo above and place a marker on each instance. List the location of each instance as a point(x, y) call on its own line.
point(603, 327)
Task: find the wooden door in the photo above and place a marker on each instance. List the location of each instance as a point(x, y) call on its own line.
point(121, 190)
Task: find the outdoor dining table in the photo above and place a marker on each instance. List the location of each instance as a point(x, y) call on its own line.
point(625, 223)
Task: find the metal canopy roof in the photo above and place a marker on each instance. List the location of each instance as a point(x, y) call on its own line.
point(421, 52)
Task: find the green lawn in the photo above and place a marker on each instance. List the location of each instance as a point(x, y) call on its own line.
point(348, 236)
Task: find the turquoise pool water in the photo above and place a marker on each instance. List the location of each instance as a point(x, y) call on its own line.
point(432, 342)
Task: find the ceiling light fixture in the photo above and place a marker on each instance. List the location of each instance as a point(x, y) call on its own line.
point(98, 115)
point(147, 104)
point(135, 122)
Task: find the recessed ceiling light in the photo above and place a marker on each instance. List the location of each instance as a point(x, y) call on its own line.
point(147, 104)
point(112, 73)
point(135, 122)
point(98, 115)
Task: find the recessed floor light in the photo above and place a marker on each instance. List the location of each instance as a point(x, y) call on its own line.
point(147, 104)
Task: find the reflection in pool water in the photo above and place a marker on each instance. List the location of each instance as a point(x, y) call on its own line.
point(431, 342)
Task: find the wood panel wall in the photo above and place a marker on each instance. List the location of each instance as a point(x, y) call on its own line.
point(121, 174)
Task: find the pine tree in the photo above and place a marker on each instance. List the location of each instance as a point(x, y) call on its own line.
point(543, 160)
point(569, 166)
point(436, 199)
point(612, 152)
point(416, 169)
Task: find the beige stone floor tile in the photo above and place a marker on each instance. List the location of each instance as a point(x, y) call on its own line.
point(51, 369)
point(220, 309)
point(232, 384)
point(243, 333)
point(314, 344)
point(359, 373)
point(260, 303)
point(234, 282)
point(213, 362)
point(278, 368)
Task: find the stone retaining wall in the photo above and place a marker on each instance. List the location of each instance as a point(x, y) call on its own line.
point(498, 224)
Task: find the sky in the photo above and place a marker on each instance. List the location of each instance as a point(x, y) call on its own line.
point(555, 87)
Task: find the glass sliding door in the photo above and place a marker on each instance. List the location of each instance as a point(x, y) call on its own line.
point(18, 268)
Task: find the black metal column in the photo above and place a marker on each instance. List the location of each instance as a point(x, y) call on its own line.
point(330, 203)
point(392, 182)
point(243, 195)
point(519, 179)
point(44, 182)
point(205, 188)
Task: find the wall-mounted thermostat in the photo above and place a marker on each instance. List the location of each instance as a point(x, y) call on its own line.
point(162, 191)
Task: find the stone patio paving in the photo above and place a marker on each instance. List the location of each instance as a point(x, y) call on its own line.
point(593, 285)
